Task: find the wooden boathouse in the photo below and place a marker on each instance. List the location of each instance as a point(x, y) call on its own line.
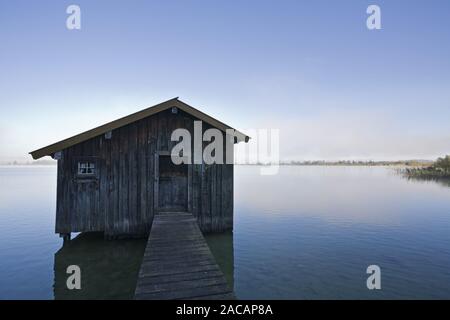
point(116, 177)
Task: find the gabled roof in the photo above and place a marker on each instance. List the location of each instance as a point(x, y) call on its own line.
point(66, 143)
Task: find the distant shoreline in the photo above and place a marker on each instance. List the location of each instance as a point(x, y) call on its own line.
point(346, 163)
point(438, 170)
point(30, 163)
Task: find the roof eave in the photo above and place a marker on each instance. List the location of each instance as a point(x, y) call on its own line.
point(79, 138)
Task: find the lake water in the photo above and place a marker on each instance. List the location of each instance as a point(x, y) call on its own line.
point(305, 233)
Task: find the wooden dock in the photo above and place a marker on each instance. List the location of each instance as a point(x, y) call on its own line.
point(178, 264)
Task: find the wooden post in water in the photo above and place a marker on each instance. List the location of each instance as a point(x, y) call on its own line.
point(65, 236)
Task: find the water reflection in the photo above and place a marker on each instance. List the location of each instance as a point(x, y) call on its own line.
point(109, 268)
point(306, 233)
point(441, 181)
point(221, 245)
point(369, 195)
point(311, 232)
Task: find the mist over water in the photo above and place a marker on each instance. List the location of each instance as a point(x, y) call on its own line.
point(306, 233)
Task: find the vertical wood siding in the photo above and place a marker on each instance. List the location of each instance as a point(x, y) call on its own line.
point(121, 199)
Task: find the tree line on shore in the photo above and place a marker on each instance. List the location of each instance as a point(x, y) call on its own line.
point(438, 169)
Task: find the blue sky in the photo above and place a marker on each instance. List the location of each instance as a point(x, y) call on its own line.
point(335, 89)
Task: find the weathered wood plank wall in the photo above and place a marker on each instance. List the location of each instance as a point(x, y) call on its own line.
point(120, 200)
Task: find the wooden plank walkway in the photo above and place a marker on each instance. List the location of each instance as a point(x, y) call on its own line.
point(178, 264)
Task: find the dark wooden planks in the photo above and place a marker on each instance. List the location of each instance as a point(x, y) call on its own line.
point(178, 264)
point(123, 199)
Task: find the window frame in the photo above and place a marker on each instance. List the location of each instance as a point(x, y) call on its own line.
point(91, 163)
point(87, 166)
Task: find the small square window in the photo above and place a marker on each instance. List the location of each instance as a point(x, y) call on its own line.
point(86, 168)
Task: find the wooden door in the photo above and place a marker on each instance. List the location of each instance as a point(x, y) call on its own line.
point(172, 185)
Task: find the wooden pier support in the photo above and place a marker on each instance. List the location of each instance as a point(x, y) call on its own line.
point(66, 237)
point(178, 264)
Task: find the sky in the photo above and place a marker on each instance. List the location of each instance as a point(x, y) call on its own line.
point(312, 69)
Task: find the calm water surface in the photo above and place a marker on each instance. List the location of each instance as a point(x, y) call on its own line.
point(306, 233)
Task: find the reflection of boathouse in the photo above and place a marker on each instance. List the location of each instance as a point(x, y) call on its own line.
point(115, 177)
point(110, 268)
